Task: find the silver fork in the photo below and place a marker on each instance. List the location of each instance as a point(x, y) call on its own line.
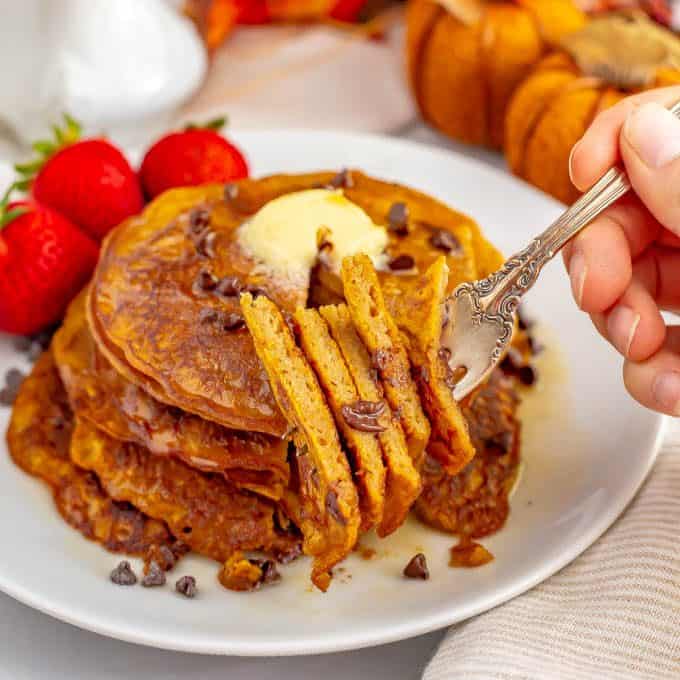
point(481, 314)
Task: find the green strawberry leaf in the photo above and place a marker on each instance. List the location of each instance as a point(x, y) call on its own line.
point(64, 135)
point(6, 216)
point(215, 124)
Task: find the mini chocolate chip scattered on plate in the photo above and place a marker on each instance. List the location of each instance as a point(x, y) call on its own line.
point(154, 577)
point(186, 586)
point(123, 575)
point(417, 568)
point(13, 379)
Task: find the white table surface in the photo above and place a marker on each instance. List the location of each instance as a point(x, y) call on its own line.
point(34, 646)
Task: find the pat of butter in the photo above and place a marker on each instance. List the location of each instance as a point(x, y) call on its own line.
point(283, 233)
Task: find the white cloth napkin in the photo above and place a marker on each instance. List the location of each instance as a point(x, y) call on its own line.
point(613, 613)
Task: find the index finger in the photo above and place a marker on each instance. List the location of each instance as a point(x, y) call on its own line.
point(598, 149)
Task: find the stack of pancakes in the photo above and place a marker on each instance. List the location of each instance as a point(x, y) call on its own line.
point(194, 401)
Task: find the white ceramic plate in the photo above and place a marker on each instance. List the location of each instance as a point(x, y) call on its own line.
point(587, 449)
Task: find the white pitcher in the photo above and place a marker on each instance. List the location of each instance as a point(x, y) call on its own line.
point(120, 66)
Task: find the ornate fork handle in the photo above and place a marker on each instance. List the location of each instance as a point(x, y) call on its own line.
point(496, 297)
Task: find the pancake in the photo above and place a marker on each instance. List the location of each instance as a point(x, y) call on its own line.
point(325, 357)
point(38, 437)
point(402, 482)
point(474, 503)
point(379, 333)
point(181, 344)
point(209, 514)
point(329, 517)
point(419, 315)
point(124, 411)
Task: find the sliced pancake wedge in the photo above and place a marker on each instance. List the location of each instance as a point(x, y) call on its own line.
point(205, 511)
point(330, 516)
point(39, 436)
point(402, 484)
point(419, 315)
point(125, 411)
point(361, 440)
point(380, 334)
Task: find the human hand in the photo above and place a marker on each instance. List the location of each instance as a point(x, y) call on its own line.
point(625, 267)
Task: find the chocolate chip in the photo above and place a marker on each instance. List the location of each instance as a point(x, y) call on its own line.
point(363, 415)
point(205, 245)
point(444, 240)
point(401, 262)
point(343, 180)
point(444, 354)
point(501, 441)
point(333, 507)
point(270, 574)
point(397, 218)
point(186, 586)
point(35, 350)
point(232, 321)
point(123, 575)
point(204, 283)
point(417, 568)
point(289, 555)
point(154, 577)
point(527, 375)
point(161, 555)
point(230, 191)
point(14, 377)
point(208, 315)
point(512, 361)
point(229, 286)
point(256, 291)
point(199, 219)
point(22, 343)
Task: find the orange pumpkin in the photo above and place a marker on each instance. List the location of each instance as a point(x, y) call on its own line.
point(550, 111)
point(465, 58)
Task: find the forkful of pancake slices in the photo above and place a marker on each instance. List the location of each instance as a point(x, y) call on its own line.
point(259, 367)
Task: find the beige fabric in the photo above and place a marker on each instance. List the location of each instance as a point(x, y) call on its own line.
point(614, 613)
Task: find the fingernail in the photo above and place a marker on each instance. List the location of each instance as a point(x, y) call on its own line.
point(577, 274)
point(666, 391)
point(622, 324)
point(571, 158)
point(654, 132)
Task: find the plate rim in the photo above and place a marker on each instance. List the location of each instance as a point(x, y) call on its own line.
point(402, 629)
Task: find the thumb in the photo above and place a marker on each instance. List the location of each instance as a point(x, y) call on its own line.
point(650, 148)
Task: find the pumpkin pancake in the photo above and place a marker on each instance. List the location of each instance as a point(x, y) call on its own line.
point(325, 357)
point(208, 513)
point(126, 412)
point(474, 502)
point(380, 334)
point(329, 517)
point(419, 315)
point(402, 485)
point(163, 312)
point(38, 437)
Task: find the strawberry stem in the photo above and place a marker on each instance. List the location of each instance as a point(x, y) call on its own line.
point(6, 216)
point(69, 133)
point(215, 124)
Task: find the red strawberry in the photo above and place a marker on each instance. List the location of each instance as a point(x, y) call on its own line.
point(347, 10)
point(253, 11)
point(90, 182)
point(44, 261)
point(189, 158)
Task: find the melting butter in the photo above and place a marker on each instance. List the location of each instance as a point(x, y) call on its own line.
point(283, 233)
